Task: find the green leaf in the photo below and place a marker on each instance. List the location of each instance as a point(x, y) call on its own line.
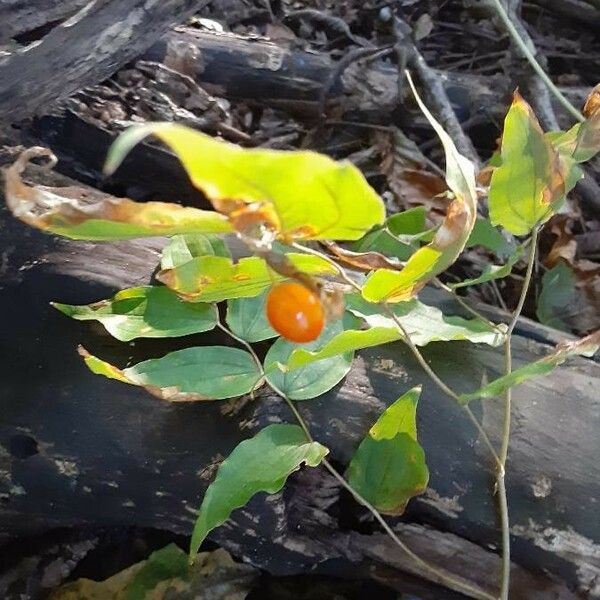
point(82, 214)
point(587, 346)
point(167, 563)
point(426, 324)
point(182, 248)
point(449, 240)
point(491, 272)
point(145, 312)
point(260, 464)
point(312, 380)
point(529, 186)
point(192, 374)
point(247, 318)
point(313, 196)
point(399, 237)
point(556, 297)
point(389, 467)
point(216, 278)
point(486, 235)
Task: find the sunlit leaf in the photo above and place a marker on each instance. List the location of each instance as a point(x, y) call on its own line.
point(260, 464)
point(182, 248)
point(389, 467)
point(426, 324)
point(311, 380)
point(247, 318)
point(450, 238)
point(529, 186)
point(558, 290)
point(586, 346)
point(192, 374)
point(145, 312)
point(313, 197)
point(81, 213)
point(491, 272)
point(216, 278)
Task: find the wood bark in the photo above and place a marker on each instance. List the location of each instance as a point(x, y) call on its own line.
point(85, 48)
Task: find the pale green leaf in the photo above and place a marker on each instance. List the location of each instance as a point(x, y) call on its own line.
point(145, 312)
point(450, 239)
point(260, 464)
point(81, 213)
point(192, 374)
point(486, 235)
point(216, 278)
point(313, 196)
point(389, 468)
point(182, 248)
point(587, 346)
point(529, 186)
point(426, 324)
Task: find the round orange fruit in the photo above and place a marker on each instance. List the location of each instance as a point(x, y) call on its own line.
point(295, 312)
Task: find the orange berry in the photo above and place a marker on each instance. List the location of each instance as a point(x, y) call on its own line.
point(295, 312)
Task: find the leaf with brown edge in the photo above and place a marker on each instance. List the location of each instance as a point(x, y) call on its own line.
point(189, 375)
point(84, 213)
point(293, 195)
point(449, 240)
point(529, 186)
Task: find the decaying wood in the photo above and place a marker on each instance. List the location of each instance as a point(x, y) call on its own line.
point(85, 48)
point(77, 449)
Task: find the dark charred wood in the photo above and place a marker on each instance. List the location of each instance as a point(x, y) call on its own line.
point(79, 450)
point(86, 48)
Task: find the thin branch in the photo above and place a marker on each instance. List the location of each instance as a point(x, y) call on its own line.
point(503, 502)
point(533, 61)
point(436, 575)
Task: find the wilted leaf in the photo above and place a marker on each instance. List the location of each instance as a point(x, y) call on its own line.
point(216, 278)
point(389, 467)
point(167, 574)
point(182, 248)
point(301, 195)
point(192, 374)
point(529, 186)
point(450, 238)
point(247, 318)
point(312, 380)
point(145, 312)
point(82, 213)
point(587, 346)
point(260, 464)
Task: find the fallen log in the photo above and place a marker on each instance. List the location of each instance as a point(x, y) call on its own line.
point(78, 450)
point(88, 46)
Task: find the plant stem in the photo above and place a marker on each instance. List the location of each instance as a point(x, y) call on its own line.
point(533, 61)
point(505, 581)
point(437, 575)
point(416, 352)
point(436, 379)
